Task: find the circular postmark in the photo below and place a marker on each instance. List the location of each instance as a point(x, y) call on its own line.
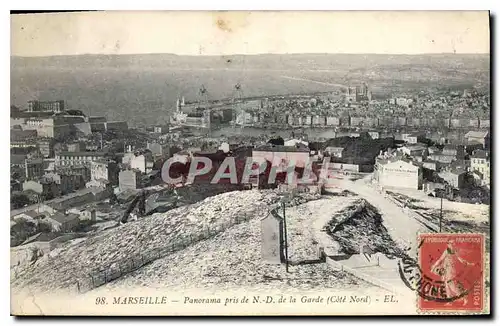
point(446, 273)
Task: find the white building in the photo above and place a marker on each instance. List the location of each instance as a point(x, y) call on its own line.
point(480, 162)
point(295, 142)
point(334, 151)
point(224, 147)
point(85, 214)
point(244, 118)
point(398, 173)
point(478, 137)
point(157, 149)
point(454, 177)
point(129, 179)
point(77, 158)
point(419, 151)
point(140, 161)
point(332, 121)
point(104, 170)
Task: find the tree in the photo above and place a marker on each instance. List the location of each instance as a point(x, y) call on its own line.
point(277, 141)
point(52, 192)
point(75, 112)
point(113, 199)
point(44, 227)
point(19, 200)
point(22, 230)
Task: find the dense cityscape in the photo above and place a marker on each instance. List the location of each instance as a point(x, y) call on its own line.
point(71, 172)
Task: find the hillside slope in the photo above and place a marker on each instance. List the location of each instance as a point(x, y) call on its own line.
point(232, 259)
point(63, 268)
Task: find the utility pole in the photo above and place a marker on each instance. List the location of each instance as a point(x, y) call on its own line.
point(441, 214)
point(39, 201)
point(286, 238)
point(446, 190)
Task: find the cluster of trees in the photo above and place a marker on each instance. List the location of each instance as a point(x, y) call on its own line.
point(19, 200)
point(24, 229)
point(277, 141)
point(360, 150)
point(74, 112)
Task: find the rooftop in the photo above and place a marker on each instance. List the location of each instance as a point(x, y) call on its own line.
point(130, 171)
point(455, 171)
point(476, 172)
point(34, 214)
point(82, 154)
point(22, 135)
point(480, 154)
point(36, 207)
point(440, 153)
point(17, 159)
point(393, 159)
point(280, 148)
point(477, 134)
point(63, 218)
point(99, 181)
point(416, 146)
point(34, 114)
point(103, 160)
point(72, 168)
point(77, 193)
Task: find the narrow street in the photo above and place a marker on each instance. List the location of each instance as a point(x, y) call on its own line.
point(379, 270)
point(401, 227)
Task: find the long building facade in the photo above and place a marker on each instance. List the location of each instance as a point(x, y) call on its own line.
point(398, 173)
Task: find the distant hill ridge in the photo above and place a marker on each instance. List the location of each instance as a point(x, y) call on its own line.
point(262, 61)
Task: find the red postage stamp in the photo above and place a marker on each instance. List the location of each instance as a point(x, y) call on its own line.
point(452, 267)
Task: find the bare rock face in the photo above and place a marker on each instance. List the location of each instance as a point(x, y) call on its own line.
point(362, 224)
point(23, 257)
point(145, 237)
point(150, 238)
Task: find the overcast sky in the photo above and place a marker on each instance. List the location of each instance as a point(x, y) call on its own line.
point(223, 33)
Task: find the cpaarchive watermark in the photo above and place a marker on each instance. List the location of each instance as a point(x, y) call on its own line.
point(237, 171)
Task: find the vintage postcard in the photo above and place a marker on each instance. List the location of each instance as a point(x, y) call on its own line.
point(250, 163)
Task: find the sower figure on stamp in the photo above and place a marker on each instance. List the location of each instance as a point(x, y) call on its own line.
point(446, 268)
